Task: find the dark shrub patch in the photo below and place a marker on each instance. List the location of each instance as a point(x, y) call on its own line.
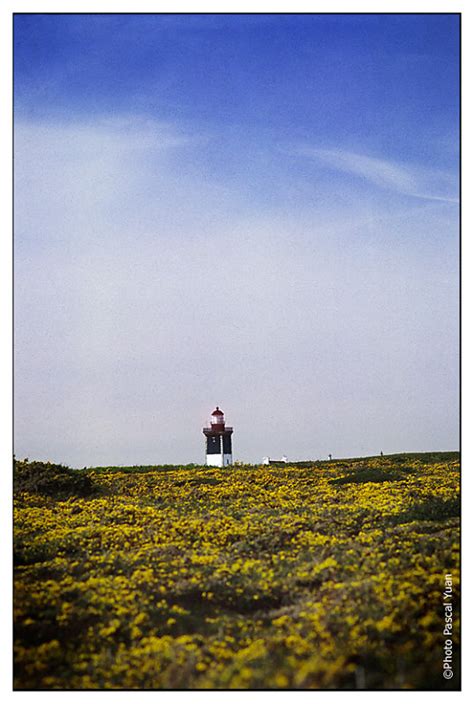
point(373, 474)
point(433, 509)
point(51, 480)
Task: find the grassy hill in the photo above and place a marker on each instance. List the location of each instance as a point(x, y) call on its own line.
point(315, 575)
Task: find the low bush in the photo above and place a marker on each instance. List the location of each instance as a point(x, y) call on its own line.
point(52, 480)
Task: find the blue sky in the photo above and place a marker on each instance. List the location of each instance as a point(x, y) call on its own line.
point(258, 211)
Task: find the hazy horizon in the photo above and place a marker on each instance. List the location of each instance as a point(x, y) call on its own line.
point(256, 212)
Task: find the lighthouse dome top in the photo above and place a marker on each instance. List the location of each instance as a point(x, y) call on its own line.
point(217, 419)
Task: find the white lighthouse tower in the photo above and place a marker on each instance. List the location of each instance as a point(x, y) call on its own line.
point(218, 441)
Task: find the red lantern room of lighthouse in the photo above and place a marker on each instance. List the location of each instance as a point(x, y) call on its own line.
point(218, 441)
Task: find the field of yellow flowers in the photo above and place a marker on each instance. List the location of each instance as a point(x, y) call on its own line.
point(312, 576)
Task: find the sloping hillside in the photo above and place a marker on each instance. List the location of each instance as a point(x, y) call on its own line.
point(322, 576)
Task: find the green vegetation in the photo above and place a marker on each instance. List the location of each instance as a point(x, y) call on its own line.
point(314, 575)
point(49, 479)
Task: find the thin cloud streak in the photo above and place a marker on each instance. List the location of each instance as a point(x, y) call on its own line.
point(416, 182)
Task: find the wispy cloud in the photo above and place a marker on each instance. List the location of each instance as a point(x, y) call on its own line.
point(415, 181)
point(156, 272)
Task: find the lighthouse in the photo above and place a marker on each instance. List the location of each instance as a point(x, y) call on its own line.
point(218, 440)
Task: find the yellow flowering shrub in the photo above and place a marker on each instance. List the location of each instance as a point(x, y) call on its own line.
point(325, 575)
